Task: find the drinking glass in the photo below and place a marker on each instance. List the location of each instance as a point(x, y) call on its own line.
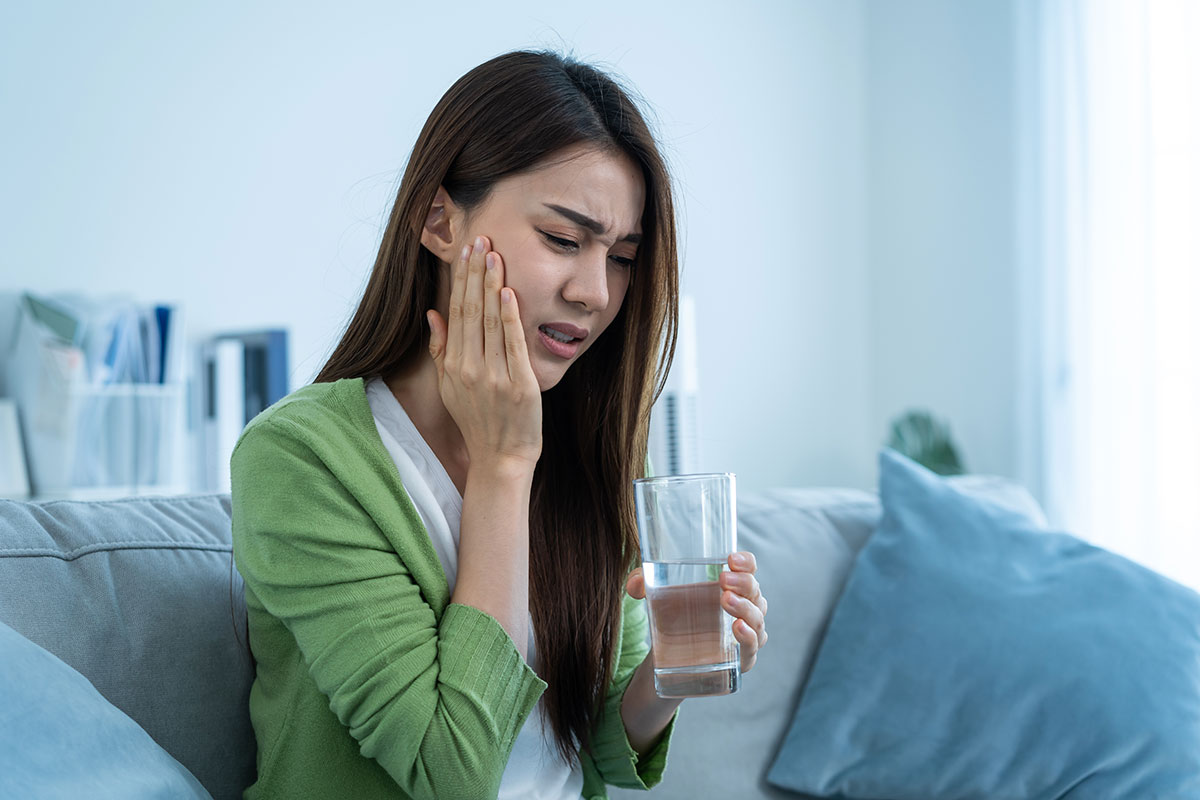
point(687, 525)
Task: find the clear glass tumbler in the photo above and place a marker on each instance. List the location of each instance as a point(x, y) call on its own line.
point(688, 527)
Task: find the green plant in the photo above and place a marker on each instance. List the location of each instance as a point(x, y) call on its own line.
point(926, 440)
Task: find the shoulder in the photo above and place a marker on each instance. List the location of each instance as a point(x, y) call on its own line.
point(326, 427)
point(322, 415)
point(318, 431)
point(316, 402)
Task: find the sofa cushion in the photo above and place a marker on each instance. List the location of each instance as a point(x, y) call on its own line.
point(141, 597)
point(805, 541)
point(60, 739)
point(974, 654)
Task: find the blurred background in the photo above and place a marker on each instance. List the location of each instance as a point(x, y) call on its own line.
point(983, 211)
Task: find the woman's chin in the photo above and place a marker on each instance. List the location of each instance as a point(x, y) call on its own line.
point(549, 375)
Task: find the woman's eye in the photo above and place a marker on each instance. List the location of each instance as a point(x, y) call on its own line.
point(565, 244)
point(570, 246)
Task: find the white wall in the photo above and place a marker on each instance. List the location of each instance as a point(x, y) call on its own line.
point(942, 162)
point(841, 172)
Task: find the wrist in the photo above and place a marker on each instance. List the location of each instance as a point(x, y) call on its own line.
point(643, 712)
point(502, 468)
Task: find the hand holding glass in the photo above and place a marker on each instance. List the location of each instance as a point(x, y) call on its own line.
point(687, 525)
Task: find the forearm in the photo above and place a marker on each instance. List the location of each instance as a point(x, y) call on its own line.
point(493, 550)
point(645, 714)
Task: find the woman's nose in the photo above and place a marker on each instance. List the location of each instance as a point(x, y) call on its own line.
point(589, 285)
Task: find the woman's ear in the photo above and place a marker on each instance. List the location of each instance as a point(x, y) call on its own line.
point(441, 231)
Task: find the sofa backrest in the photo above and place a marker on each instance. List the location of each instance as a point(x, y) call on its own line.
point(141, 597)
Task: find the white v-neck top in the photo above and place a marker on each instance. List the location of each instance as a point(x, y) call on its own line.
point(534, 771)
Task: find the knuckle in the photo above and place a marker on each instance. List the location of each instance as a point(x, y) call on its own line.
point(470, 310)
point(456, 311)
point(468, 376)
point(491, 323)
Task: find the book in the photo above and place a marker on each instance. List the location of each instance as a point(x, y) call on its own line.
point(224, 408)
point(242, 374)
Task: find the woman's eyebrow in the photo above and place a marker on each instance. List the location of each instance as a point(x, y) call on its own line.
point(589, 223)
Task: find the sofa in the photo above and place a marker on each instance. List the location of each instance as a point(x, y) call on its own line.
point(141, 597)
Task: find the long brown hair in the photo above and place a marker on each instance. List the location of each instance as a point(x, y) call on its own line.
point(503, 118)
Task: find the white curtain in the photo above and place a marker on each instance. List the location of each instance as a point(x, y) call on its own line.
point(1111, 242)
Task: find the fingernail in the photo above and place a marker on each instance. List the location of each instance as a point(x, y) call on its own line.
point(491, 260)
point(478, 245)
point(739, 559)
point(506, 295)
point(466, 252)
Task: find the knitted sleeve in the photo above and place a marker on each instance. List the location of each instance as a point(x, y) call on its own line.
point(614, 761)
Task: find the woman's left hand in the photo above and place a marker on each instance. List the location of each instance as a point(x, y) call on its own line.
point(741, 597)
point(745, 601)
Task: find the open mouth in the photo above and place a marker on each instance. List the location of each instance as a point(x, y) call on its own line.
point(557, 335)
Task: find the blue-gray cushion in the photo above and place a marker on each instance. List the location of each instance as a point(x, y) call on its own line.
point(59, 738)
point(140, 596)
point(974, 655)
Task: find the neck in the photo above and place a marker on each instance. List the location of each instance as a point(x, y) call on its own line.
point(415, 386)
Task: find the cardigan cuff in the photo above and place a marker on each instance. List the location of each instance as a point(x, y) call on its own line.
point(479, 660)
point(616, 760)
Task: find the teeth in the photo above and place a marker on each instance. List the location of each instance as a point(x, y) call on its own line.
point(556, 336)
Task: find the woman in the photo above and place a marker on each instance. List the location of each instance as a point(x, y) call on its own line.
point(437, 535)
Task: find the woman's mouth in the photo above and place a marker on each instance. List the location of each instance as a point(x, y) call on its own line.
point(561, 339)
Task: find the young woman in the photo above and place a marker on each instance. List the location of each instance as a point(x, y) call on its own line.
point(437, 535)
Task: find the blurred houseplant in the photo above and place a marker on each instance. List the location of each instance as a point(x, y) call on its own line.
point(925, 439)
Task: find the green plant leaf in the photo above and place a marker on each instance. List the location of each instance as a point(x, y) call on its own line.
point(926, 440)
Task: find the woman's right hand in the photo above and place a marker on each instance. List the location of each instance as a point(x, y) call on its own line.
point(484, 375)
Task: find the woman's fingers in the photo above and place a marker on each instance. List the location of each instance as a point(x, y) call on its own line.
point(748, 613)
point(749, 642)
point(635, 584)
point(743, 599)
point(745, 584)
point(493, 330)
point(437, 341)
point(520, 371)
point(743, 561)
point(472, 311)
point(454, 315)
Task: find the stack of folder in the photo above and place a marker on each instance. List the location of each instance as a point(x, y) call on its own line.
point(99, 391)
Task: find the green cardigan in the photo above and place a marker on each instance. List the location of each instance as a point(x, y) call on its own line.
point(369, 681)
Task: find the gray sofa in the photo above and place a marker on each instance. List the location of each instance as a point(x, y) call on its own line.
point(141, 597)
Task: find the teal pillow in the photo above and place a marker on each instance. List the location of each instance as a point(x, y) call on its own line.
point(59, 738)
point(974, 655)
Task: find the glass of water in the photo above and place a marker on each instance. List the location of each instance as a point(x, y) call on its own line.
point(687, 525)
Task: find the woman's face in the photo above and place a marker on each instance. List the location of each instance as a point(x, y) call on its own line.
point(568, 233)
